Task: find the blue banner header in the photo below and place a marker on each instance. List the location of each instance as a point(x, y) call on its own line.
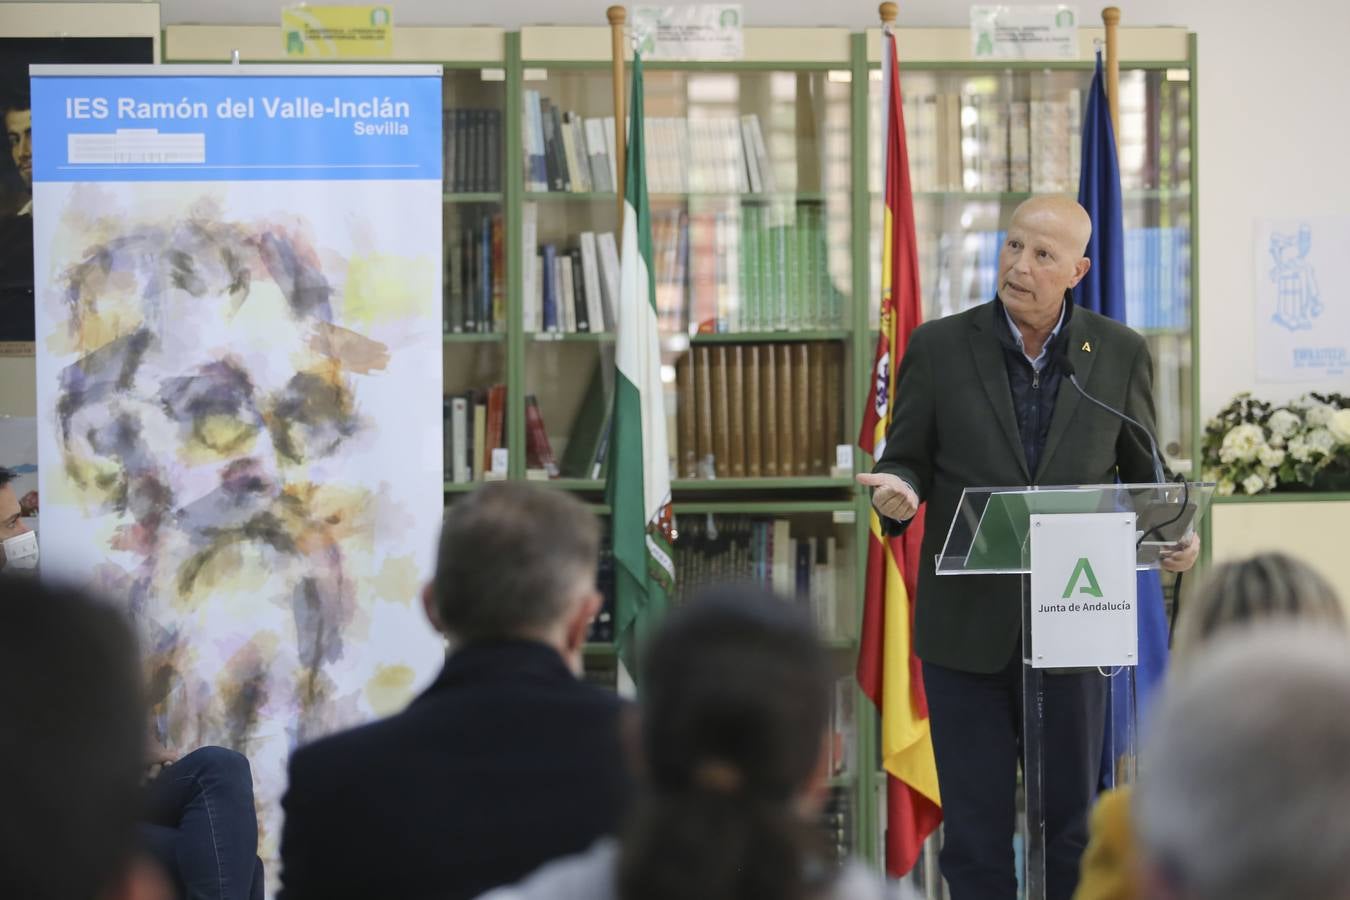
point(196, 127)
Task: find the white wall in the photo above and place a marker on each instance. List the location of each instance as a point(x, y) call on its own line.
point(1274, 133)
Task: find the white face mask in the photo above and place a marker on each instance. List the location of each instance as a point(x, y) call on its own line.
point(21, 551)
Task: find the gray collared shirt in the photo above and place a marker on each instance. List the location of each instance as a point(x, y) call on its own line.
point(1041, 359)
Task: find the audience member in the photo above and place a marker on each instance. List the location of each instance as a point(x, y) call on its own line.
point(1266, 588)
point(736, 701)
point(1247, 783)
point(200, 823)
point(18, 544)
point(508, 760)
point(71, 749)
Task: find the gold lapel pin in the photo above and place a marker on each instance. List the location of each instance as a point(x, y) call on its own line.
point(1087, 346)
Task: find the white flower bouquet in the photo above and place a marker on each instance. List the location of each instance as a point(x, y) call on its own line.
point(1252, 447)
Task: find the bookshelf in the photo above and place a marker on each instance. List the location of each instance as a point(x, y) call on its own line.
point(984, 136)
point(811, 96)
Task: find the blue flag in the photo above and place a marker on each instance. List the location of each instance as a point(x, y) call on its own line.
point(1103, 291)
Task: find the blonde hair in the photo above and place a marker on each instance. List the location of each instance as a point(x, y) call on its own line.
point(1262, 588)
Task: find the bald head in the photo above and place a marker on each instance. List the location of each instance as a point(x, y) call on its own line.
point(1041, 259)
point(1059, 216)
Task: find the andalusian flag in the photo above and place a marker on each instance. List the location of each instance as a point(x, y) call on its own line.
point(888, 671)
point(638, 489)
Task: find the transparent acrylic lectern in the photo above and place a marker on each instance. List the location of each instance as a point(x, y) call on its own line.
point(1076, 550)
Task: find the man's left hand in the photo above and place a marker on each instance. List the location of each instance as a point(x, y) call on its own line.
point(1181, 555)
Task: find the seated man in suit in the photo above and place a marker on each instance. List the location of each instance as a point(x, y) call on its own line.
point(508, 760)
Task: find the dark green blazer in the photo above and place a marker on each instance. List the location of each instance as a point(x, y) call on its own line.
point(953, 427)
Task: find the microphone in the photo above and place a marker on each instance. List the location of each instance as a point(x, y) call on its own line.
point(1066, 366)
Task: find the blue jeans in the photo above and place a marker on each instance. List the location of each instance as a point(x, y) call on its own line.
point(201, 825)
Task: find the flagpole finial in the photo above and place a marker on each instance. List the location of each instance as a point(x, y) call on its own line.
point(889, 11)
point(617, 15)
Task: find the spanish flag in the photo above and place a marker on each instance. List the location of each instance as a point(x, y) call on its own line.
point(888, 671)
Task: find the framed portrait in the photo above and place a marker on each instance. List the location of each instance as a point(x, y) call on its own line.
point(48, 33)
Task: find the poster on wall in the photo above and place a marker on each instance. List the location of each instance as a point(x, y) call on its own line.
point(16, 165)
point(690, 32)
point(239, 386)
point(1302, 318)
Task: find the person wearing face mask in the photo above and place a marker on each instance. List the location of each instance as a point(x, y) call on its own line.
point(18, 543)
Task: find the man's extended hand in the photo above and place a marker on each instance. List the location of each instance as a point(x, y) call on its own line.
point(1181, 555)
point(891, 495)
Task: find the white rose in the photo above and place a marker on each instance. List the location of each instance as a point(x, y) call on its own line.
point(1299, 450)
point(1305, 402)
point(1242, 443)
point(1270, 457)
point(1321, 441)
point(1224, 488)
point(1253, 483)
point(1339, 426)
point(1283, 423)
point(1319, 415)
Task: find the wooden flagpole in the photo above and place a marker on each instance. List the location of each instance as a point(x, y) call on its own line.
point(1111, 19)
point(617, 17)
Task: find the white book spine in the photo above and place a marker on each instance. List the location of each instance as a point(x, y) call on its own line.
point(535, 312)
point(767, 174)
point(529, 234)
point(731, 130)
point(611, 152)
point(459, 449)
point(537, 140)
point(609, 278)
point(583, 152)
point(595, 145)
point(566, 296)
point(590, 280)
point(751, 158)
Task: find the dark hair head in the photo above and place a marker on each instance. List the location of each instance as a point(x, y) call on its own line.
point(511, 558)
point(735, 704)
point(72, 743)
point(16, 96)
point(6, 476)
point(1260, 588)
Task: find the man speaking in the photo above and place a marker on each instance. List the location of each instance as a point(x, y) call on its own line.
point(983, 400)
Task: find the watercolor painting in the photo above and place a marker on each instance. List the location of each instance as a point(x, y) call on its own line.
point(239, 427)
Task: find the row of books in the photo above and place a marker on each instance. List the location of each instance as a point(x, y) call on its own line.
point(474, 428)
point(837, 821)
point(569, 289)
point(1155, 135)
point(759, 410)
point(971, 142)
point(564, 151)
point(568, 152)
point(722, 154)
point(472, 149)
point(751, 267)
point(793, 558)
point(475, 277)
point(585, 453)
point(1158, 277)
